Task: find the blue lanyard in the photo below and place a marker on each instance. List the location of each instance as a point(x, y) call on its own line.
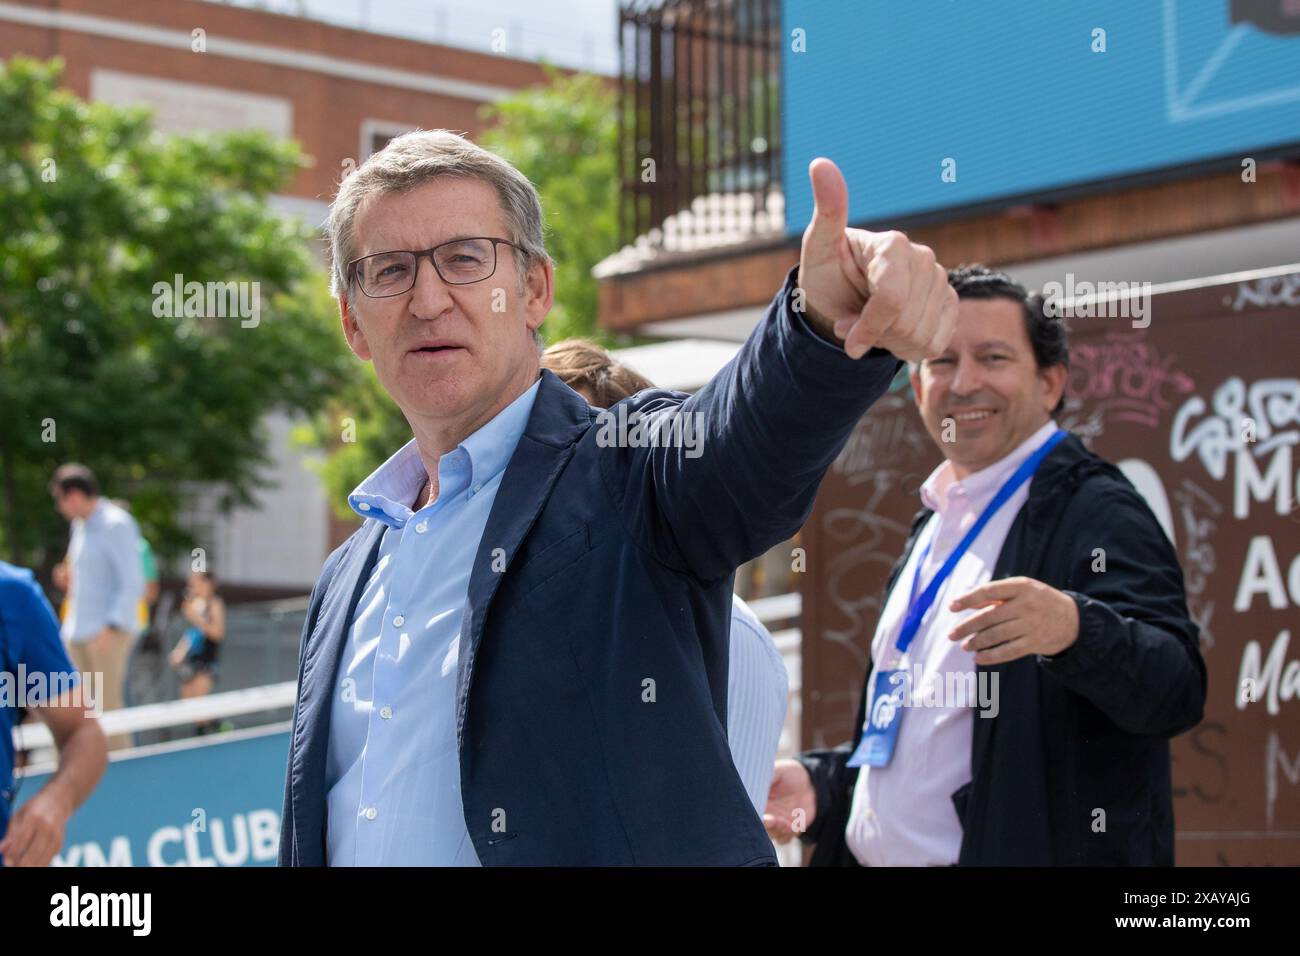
point(918, 607)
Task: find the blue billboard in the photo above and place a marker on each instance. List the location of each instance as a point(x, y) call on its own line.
point(933, 105)
point(209, 801)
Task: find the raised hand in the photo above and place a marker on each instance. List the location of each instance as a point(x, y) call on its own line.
point(870, 289)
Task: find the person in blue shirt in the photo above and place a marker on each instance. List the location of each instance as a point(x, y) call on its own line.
point(36, 675)
point(521, 656)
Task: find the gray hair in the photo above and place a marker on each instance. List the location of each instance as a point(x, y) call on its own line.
point(419, 157)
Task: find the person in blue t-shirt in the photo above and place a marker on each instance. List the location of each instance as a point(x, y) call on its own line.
point(36, 674)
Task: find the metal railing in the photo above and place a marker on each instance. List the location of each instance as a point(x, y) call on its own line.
point(172, 713)
point(699, 129)
point(262, 645)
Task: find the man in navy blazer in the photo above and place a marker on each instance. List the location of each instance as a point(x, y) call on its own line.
point(520, 657)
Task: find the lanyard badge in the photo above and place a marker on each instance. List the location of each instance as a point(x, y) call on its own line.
point(890, 691)
point(880, 732)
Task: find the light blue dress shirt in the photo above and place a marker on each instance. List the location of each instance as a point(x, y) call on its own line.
point(105, 573)
point(392, 773)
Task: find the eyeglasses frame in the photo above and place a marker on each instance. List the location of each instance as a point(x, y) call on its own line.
point(428, 253)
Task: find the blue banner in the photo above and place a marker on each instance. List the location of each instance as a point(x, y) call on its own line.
point(928, 105)
point(212, 801)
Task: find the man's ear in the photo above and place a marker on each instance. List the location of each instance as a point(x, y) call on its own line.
point(539, 293)
point(914, 370)
point(1053, 378)
point(352, 329)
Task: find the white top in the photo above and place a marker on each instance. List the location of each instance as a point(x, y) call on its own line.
point(105, 574)
point(903, 814)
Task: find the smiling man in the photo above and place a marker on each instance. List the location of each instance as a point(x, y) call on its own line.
point(521, 655)
point(1037, 586)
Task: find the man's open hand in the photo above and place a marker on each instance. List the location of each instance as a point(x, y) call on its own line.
point(870, 289)
point(1020, 617)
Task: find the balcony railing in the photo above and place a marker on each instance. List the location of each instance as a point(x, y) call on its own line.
point(699, 146)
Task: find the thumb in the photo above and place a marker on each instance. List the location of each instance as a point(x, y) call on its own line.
point(830, 206)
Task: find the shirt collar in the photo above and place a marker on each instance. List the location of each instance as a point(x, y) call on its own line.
point(386, 493)
point(942, 487)
point(96, 515)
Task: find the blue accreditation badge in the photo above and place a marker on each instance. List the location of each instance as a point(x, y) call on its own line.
point(880, 732)
point(890, 691)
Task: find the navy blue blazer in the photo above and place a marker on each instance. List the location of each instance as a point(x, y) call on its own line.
point(619, 564)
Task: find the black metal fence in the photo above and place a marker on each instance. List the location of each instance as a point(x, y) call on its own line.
point(700, 120)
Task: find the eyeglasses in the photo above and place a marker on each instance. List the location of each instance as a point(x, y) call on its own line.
point(458, 262)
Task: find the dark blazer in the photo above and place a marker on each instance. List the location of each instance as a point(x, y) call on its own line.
point(591, 696)
point(1083, 731)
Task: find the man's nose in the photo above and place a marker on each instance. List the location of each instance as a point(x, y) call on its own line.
point(966, 377)
point(430, 296)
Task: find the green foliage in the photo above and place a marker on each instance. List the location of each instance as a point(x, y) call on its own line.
point(98, 210)
point(564, 137)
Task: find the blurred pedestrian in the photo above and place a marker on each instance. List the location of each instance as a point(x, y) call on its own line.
point(148, 568)
point(147, 643)
point(105, 582)
point(198, 652)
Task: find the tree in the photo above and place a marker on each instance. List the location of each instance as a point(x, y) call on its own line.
point(563, 137)
point(99, 361)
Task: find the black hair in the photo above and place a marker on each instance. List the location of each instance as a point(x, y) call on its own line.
point(1046, 333)
point(74, 477)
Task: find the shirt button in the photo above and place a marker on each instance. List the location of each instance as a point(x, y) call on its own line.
point(371, 813)
point(399, 621)
point(363, 506)
point(386, 712)
point(422, 527)
point(476, 488)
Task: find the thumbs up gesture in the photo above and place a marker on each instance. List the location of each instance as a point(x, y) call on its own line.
point(870, 289)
